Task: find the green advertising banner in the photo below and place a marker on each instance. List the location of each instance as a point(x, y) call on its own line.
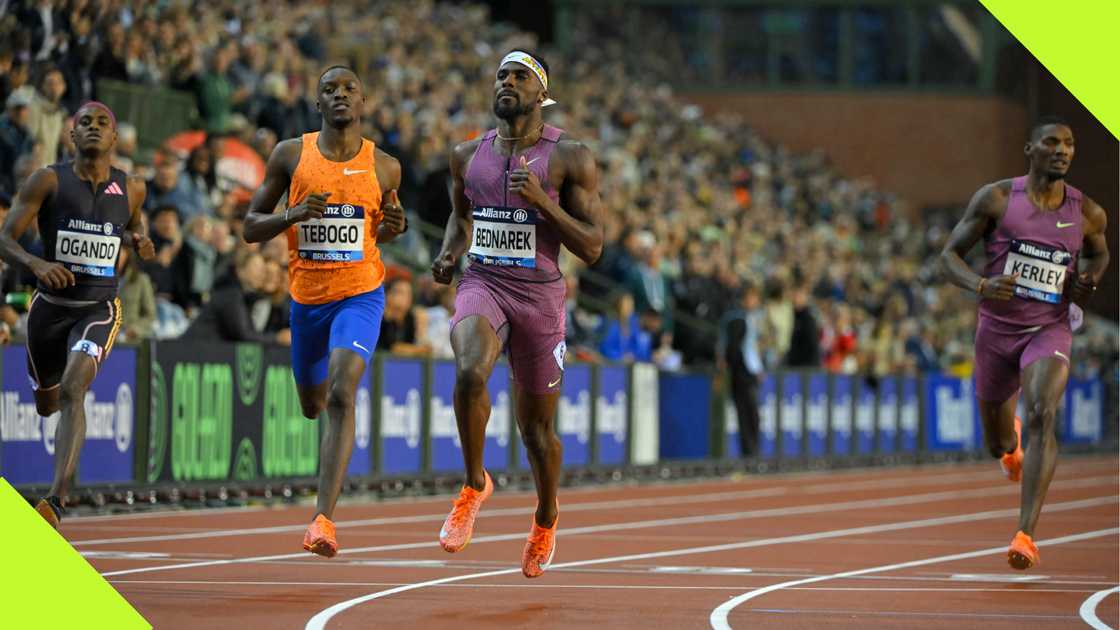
point(227, 412)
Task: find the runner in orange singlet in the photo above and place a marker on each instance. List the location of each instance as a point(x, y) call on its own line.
point(335, 218)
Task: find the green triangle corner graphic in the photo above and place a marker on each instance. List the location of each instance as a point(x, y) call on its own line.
point(46, 583)
point(1077, 43)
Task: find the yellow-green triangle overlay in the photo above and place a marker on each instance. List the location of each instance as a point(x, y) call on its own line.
point(45, 583)
point(1076, 41)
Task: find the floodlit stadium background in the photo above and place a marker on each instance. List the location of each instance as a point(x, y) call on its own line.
point(820, 150)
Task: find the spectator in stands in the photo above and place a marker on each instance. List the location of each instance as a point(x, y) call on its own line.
point(168, 240)
point(197, 264)
point(138, 299)
point(779, 320)
point(439, 321)
point(805, 339)
point(404, 328)
point(646, 281)
point(581, 326)
point(169, 188)
point(741, 350)
point(840, 342)
point(124, 151)
point(15, 138)
point(226, 317)
point(624, 339)
point(270, 312)
point(110, 61)
point(46, 112)
point(13, 75)
point(200, 181)
point(215, 93)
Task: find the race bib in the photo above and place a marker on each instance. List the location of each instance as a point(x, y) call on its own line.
point(506, 237)
point(339, 236)
point(88, 248)
point(1042, 270)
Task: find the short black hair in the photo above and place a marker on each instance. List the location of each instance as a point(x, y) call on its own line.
point(1046, 121)
point(338, 66)
point(534, 55)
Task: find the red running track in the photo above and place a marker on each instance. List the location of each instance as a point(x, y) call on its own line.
point(881, 548)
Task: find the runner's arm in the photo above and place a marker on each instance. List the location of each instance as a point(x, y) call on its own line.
point(136, 232)
point(1094, 249)
point(388, 171)
point(262, 223)
point(25, 209)
point(980, 216)
point(457, 234)
point(578, 221)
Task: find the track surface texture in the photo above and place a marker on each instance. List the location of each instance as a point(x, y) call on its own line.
point(920, 547)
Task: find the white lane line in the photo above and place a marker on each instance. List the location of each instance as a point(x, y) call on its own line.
point(688, 520)
point(712, 497)
point(319, 621)
point(718, 618)
point(595, 587)
point(1088, 609)
point(438, 518)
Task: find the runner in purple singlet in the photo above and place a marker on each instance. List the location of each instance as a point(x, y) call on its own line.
point(1046, 248)
point(519, 192)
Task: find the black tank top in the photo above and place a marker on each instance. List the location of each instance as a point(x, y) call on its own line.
point(82, 229)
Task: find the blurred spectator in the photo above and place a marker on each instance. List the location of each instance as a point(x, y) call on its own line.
point(168, 240)
point(624, 338)
point(741, 354)
point(647, 282)
point(124, 151)
point(15, 138)
point(200, 181)
point(215, 94)
point(805, 342)
point(404, 328)
point(169, 187)
point(439, 322)
point(46, 112)
point(270, 313)
point(138, 298)
point(779, 320)
point(840, 342)
point(581, 326)
point(226, 317)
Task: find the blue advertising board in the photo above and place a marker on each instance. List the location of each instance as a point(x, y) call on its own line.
point(816, 414)
point(792, 415)
point(951, 423)
point(909, 414)
point(888, 414)
point(361, 459)
point(446, 449)
point(402, 383)
point(840, 415)
point(1084, 418)
point(27, 455)
point(684, 408)
point(768, 417)
point(612, 409)
point(573, 421)
point(865, 417)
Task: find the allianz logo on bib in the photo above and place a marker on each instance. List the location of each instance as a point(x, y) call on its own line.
point(1053, 255)
point(108, 420)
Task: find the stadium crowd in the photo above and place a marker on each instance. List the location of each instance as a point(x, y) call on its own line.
point(697, 208)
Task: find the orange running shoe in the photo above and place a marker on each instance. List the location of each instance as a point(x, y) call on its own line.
point(319, 538)
point(539, 549)
point(1022, 554)
point(50, 509)
point(456, 532)
point(1012, 463)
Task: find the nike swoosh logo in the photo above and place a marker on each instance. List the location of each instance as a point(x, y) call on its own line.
point(1061, 355)
point(360, 346)
point(347, 171)
point(1063, 225)
point(532, 160)
point(556, 382)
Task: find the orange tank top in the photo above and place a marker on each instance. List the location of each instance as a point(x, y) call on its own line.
point(335, 257)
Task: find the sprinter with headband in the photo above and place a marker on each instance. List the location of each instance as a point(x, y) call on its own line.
point(519, 192)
